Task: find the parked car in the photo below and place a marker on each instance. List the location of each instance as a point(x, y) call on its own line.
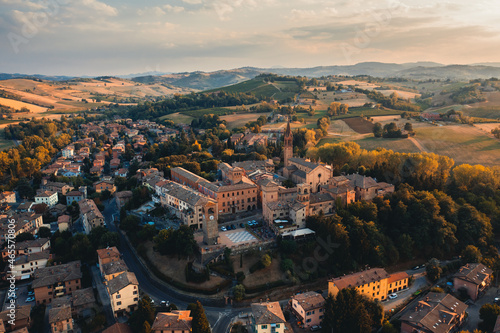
point(223, 229)
point(393, 296)
point(31, 293)
point(242, 225)
point(497, 300)
point(233, 227)
point(165, 303)
point(416, 267)
point(315, 328)
point(30, 299)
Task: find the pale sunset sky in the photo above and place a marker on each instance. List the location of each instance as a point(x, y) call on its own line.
point(115, 37)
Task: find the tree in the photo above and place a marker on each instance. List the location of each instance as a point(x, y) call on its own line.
point(409, 127)
point(24, 237)
point(44, 232)
point(145, 313)
point(266, 260)
point(239, 292)
point(349, 311)
point(200, 322)
point(433, 270)
point(471, 254)
point(488, 314)
point(378, 131)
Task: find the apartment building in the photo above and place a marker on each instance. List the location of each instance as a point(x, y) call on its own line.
point(309, 308)
point(56, 281)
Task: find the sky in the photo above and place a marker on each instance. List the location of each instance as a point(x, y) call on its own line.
point(118, 37)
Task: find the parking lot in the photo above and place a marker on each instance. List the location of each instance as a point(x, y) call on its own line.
point(21, 294)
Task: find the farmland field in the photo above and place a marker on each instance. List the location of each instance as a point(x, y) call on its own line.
point(399, 145)
point(240, 119)
point(463, 143)
point(18, 105)
point(360, 125)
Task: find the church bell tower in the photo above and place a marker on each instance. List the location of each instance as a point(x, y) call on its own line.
point(288, 147)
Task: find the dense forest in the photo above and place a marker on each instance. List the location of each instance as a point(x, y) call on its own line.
point(192, 101)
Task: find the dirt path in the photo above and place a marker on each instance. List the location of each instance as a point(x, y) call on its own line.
point(418, 145)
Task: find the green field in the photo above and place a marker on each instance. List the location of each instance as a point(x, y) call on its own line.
point(5, 144)
point(490, 112)
point(199, 113)
point(399, 145)
point(277, 90)
point(178, 118)
point(463, 143)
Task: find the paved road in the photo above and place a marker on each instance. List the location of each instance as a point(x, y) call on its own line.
point(419, 282)
point(473, 309)
point(219, 316)
point(103, 295)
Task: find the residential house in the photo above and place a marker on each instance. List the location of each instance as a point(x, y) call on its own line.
point(373, 283)
point(122, 198)
point(104, 185)
point(113, 269)
point(60, 320)
point(90, 215)
point(7, 197)
point(47, 197)
point(118, 328)
point(123, 292)
point(122, 172)
point(25, 207)
point(58, 187)
point(68, 152)
point(29, 247)
point(56, 281)
point(22, 316)
point(436, 313)
point(107, 255)
point(173, 322)
point(25, 265)
point(25, 222)
point(309, 308)
point(73, 196)
point(267, 317)
point(83, 301)
point(63, 222)
point(473, 278)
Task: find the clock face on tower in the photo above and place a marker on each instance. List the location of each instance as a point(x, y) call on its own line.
point(211, 217)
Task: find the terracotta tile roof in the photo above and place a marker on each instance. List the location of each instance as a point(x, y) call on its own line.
point(398, 277)
point(436, 313)
point(114, 267)
point(83, 297)
point(360, 278)
point(61, 273)
point(121, 281)
point(474, 273)
point(310, 300)
point(268, 313)
point(118, 328)
point(59, 314)
point(111, 252)
point(175, 320)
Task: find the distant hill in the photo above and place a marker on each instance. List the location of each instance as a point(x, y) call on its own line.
point(6, 76)
point(212, 80)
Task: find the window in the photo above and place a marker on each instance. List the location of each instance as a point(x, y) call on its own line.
point(136, 299)
point(264, 327)
point(308, 320)
point(135, 292)
point(118, 303)
point(118, 296)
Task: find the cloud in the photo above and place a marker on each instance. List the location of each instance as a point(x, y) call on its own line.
point(193, 2)
point(311, 14)
point(100, 7)
point(173, 9)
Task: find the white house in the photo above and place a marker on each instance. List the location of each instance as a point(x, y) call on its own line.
point(68, 152)
point(47, 197)
point(123, 292)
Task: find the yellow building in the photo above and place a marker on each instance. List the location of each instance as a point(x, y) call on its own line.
point(374, 283)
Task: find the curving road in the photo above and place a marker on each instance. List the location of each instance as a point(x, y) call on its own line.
point(218, 314)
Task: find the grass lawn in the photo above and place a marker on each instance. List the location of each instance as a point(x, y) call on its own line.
point(178, 118)
point(490, 112)
point(240, 119)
